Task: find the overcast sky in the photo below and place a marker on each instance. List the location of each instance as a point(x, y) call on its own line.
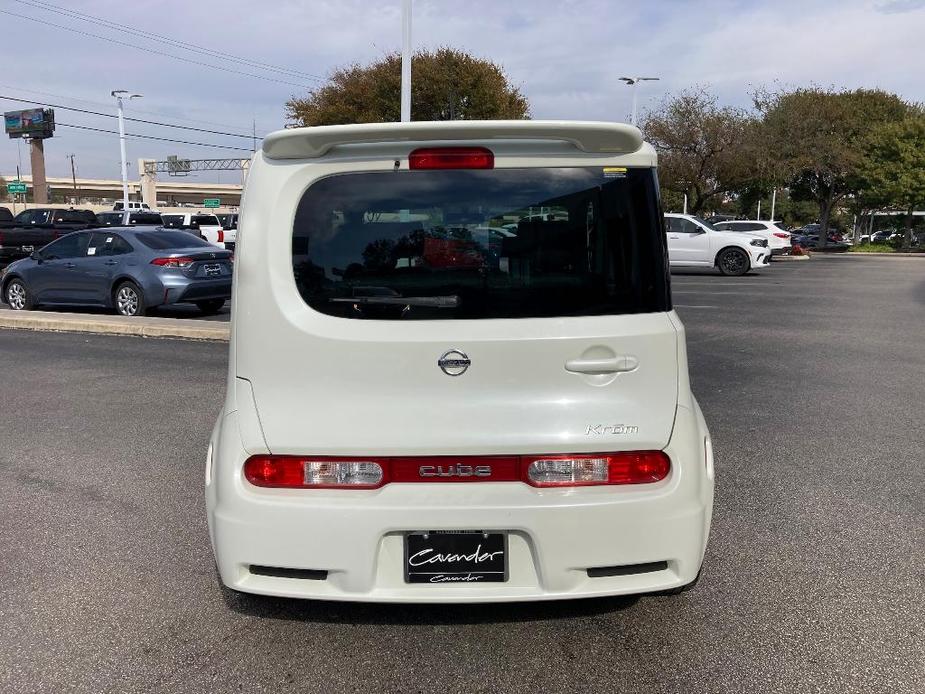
point(565, 55)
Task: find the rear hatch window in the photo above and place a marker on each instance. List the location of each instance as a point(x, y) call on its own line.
point(470, 244)
point(205, 220)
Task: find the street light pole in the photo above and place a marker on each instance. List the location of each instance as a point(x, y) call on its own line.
point(634, 83)
point(74, 179)
point(119, 95)
point(406, 61)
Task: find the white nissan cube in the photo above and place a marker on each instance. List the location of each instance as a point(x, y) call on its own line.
point(455, 373)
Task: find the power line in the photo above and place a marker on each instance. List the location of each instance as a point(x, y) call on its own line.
point(151, 36)
point(136, 120)
point(151, 137)
point(153, 51)
point(135, 108)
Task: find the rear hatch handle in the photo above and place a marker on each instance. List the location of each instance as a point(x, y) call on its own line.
point(602, 366)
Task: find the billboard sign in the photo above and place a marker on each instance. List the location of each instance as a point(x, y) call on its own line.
point(33, 122)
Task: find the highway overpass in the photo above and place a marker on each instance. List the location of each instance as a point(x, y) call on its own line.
point(158, 191)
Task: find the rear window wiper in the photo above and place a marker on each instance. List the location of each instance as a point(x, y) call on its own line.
point(449, 301)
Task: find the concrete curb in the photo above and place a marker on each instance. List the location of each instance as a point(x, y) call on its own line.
point(116, 325)
point(788, 258)
point(883, 255)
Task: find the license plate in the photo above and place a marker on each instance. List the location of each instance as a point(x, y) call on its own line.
point(213, 270)
point(455, 556)
point(28, 249)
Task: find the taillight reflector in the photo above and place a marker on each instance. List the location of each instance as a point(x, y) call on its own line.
point(306, 473)
point(639, 467)
point(303, 472)
point(173, 262)
point(451, 158)
point(781, 235)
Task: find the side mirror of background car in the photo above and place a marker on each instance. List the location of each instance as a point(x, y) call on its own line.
point(36, 256)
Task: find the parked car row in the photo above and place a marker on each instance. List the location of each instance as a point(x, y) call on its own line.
point(31, 229)
point(130, 269)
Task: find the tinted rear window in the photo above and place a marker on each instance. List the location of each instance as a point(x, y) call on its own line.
point(144, 218)
point(71, 216)
point(161, 240)
point(205, 220)
point(501, 243)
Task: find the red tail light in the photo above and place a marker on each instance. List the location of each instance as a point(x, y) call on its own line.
point(781, 235)
point(370, 472)
point(451, 158)
point(221, 236)
point(182, 261)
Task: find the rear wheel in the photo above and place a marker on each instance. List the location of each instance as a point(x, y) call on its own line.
point(733, 261)
point(210, 306)
point(17, 296)
point(129, 300)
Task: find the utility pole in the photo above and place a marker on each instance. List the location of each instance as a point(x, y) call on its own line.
point(74, 179)
point(773, 202)
point(759, 210)
point(634, 83)
point(119, 94)
point(254, 135)
point(406, 61)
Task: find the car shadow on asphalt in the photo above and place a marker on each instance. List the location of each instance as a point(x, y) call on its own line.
point(172, 311)
point(323, 611)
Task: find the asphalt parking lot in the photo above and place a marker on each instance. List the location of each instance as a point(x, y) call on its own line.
point(810, 376)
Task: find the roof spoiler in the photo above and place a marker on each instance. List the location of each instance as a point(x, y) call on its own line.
point(593, 137)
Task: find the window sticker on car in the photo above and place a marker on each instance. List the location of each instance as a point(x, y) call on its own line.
point(91, 251)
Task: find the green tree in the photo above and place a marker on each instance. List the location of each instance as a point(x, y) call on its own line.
point(705, 150)
point(446, 84)
point(893, 172)
point(816, 138)
point(4, 196)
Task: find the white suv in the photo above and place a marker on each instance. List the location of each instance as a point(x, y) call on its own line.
point(422, 411)
point(778, 239)
point(132, 206)
point(693, 242)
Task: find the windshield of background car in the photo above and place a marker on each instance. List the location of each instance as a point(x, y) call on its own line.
point(499, 243)
point(109, 218)
point(144, 218)
point(162, 240)
point(706, 224)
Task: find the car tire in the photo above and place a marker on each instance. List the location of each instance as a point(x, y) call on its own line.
point(733, 262)
point(129, 300)
point(17, 296)
point(210, 307)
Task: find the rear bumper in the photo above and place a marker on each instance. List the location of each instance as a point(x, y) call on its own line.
point(176, 290)
point(554, 535)
point(783, 250)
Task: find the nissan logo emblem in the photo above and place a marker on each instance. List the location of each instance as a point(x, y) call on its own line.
point(454, 363)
